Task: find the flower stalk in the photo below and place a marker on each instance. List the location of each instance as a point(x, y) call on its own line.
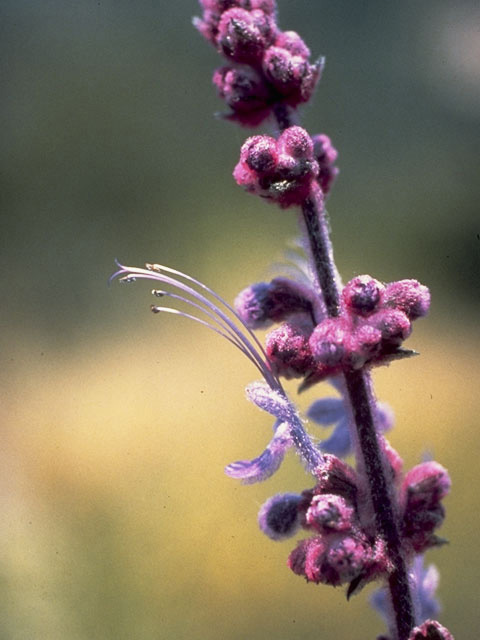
point(371, 522)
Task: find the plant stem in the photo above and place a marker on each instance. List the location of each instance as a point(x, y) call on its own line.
point(363, 404)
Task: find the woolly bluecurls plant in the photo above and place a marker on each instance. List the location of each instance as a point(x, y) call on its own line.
point(371, 522)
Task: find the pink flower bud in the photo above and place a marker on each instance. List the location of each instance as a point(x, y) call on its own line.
point(298, 557)
point(288, 351)
point(328, 341)
point(242, 88)
point(362, 295)
point(337, 477)
point(430, 630)
point(296, 142)
point(291, 75)
point(260, 154)
point(393, 324)
point(326, 155)
point(329, 512)
point(292, 42)
point(408, 296)
point(421, 493)
point(244, 35)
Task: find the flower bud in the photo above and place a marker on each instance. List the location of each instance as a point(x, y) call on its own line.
point(325, 155)
point(260, 154)
point(430, 630)
point(279, 517)
point(262, 303)
point(337, 477)
point(408, 296)
point(292, 42)
point(362, 295)
point(329, 512)
point(327, 341)
point(242, 88)
point(393, 324)
point(291, 75)
point(288, 351)
point(422, 490)
point(244, 35)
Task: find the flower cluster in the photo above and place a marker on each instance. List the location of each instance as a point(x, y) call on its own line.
point(284, 170)
point(373, 322)
point(344, 548)
point(266, 67)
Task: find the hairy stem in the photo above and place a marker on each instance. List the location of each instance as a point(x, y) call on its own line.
point(363, 403)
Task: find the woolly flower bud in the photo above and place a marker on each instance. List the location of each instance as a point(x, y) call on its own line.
point(263, 303)
point(288, 351)
point(325, 155)
point(327, 341)
point(393, 324)
point(430, 630)
point(244, 35)
point(334, 560)
point(408, 296)
point(278, 518)
point(291, 75)
point(292, 42)
point(337, 477)
point(222, 5)
point(422, 489)
point(261, 154)
point(362, 295)
point(244, 91)
point(329, 512)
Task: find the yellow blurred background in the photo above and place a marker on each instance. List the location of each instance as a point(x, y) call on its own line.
point(117, 519)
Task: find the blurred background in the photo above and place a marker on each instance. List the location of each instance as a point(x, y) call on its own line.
point(117, 519)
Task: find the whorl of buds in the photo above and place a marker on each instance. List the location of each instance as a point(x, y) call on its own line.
point(245, 31)
point(280, 170)
point(375, 320)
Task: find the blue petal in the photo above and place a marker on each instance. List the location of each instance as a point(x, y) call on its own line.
point(261, 468)
point(326, 411)
point(426, 581)
point(269, 400)
point(385, 417)
point(339, 443)
point(381, 603)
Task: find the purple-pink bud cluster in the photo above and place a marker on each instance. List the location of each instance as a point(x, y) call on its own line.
point(280, 170)
point(374, 320)
point(267, 66)
point(341, 550)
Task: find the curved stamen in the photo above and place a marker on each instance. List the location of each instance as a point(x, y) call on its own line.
point(229, 330)
point(155, 273)
point(225, 330)
point(157, 309)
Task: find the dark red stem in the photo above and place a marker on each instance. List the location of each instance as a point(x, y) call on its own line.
point(363, 403)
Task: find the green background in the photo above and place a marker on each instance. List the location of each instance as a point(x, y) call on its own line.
point(118, 522)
